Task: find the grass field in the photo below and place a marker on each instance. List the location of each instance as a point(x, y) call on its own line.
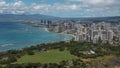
point(52, 56)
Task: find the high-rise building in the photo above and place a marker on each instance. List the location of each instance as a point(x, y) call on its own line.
point(96, 39)
point(110, 36)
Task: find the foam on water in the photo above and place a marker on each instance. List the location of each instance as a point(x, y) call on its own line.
point(4, 45)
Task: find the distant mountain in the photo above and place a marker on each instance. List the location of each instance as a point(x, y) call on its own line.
point(11, 17)
point(114, 19)
point(93, 18)
point(25, 17)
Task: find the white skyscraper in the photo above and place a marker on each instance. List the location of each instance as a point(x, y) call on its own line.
point(110, 35)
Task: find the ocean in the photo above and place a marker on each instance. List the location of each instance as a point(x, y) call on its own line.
point(14, 35)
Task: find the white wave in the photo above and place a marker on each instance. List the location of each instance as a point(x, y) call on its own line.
point(4, 45)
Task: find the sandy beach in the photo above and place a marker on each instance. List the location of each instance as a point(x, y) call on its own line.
point(73, 36)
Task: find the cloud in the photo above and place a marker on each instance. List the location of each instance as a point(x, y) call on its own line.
point(100, 7)
point(68, 8)
point(14, 8)
point(20, 7)
point(18, 4)
point(96, 2)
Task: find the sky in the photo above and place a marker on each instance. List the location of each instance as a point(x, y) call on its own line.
point(62, 8)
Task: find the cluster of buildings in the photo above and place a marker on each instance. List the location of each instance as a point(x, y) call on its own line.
point(96, 33)
point(101, 32)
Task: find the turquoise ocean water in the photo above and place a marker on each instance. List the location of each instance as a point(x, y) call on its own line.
point(16, 36)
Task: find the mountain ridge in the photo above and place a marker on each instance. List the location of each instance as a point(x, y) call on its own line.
point(11, 17)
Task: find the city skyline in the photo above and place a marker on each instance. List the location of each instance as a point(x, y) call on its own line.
point(62, 8)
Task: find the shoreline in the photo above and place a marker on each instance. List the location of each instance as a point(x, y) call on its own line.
point(73, 36)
